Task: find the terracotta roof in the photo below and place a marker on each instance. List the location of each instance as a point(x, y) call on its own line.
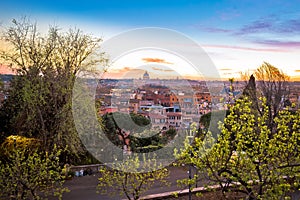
point(157, 116)
point(174, 114)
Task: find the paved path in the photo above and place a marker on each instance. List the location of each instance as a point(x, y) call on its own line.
point(84, 188)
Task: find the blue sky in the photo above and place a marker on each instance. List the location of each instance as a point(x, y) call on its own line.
point(237, 35)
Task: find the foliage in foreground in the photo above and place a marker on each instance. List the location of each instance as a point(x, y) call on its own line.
point(40, 96)
point(131, 177)
point(248, 157)
point(141, 139)
point(28, 173)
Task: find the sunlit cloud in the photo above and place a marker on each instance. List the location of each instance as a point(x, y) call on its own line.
point(124, 72)
point(6, 70)
point(156, 60)
point(295, 78)
point(162, 70)
point(225, 69)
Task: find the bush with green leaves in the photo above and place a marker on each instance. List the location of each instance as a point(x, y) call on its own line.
point(132, 177)
point(27, 173)
point(248, 158)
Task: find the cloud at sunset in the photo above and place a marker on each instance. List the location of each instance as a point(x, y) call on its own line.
point(162, 70)
point(279, 43)
point(278, 33)
point(271, 24)
point(225, 69)
point(124, 72)
point(5, 70)
point(245, 48)
point(156, 60)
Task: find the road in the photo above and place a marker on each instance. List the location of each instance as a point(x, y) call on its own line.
point(84, 188)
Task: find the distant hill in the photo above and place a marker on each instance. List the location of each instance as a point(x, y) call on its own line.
point(6, 77)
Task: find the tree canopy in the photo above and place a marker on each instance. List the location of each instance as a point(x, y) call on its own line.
point(246, 158)
point(39, 103)
point(27, 172)
point(132, 177)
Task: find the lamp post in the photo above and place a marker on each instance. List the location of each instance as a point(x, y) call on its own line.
point(190, 177)
point(190, 138)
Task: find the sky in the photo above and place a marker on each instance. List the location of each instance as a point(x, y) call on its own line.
point(238, 36)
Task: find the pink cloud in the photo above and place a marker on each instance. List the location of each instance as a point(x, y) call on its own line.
point(278, 43)
point(245, 48)
point(156, 60)
point(163, 70)
point(5, 70)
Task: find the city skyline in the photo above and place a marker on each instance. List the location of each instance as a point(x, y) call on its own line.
point(237, 36)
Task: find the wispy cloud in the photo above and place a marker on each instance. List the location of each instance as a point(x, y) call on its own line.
point(229, 14)
point(271, 24)
point(257, 26)
point(225, 69)
point(278, 43)
point(124, 72)
point(245, 48)
point(156, 60)
point(291, 26)
point(162, 70)
point(261, 30)
point(214, 29)
point(297, 70)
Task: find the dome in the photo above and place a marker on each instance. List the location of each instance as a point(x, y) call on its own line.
point(146, 75)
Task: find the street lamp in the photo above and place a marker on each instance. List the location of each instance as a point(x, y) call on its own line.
point(190, 138)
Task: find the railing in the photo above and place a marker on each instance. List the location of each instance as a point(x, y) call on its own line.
point(79, 169)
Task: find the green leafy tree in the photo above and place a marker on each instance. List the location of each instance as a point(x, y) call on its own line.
point(39, 103)
point(1, 85)
point(116, 123)
point(142, 137)
point(147, 141)
point(131, 178)
point(206, 123)
point(28, 173)
point(170, 134)
point(2, 121)
point(246, 158)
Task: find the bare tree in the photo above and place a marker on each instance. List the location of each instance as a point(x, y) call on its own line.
point(273, 85)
